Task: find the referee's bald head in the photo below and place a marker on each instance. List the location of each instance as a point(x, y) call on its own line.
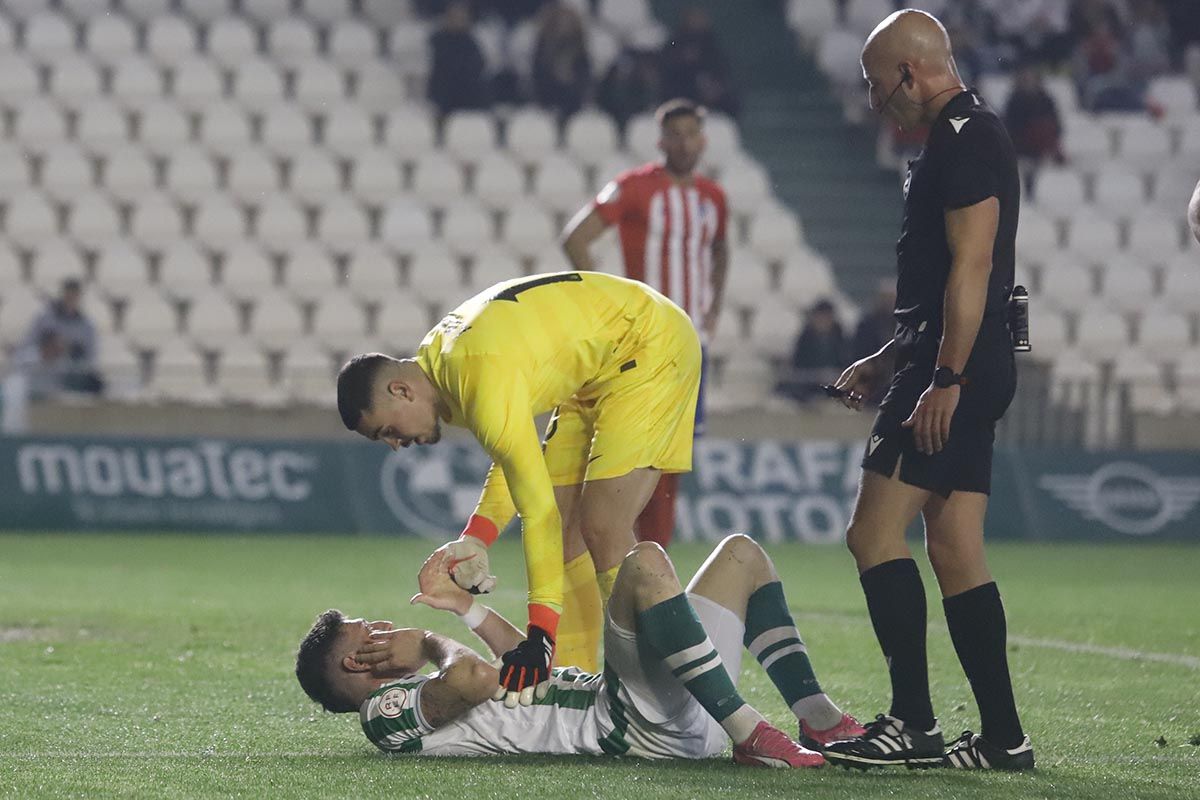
point(907, 61)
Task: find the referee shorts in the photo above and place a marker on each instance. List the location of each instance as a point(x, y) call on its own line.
point(965, 462)
point(643, 417)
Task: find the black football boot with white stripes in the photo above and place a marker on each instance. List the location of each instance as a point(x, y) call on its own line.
point(972, 751)
point(888, 742)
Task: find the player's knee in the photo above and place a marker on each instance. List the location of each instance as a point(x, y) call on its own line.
point(646, 563)
point(742, 548)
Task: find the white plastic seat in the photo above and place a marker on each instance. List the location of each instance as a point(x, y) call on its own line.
point(291, 40)
point(385, 13)
point(18, 79)
point(279, 224)
point(348, 130)
point(1085, 142)
point(749, 282)
point(436, 179)
point(409, 132)
point(206, 11)
point(339, 321)
point(162, 128)
point(531, 135)
point(810, 19)
point(231, 41)
point(101, 127)
point(84, 10)
point(54, 261)
point(747, 185)
point(1173, 185)
point(376, 85)
point(253, 176)
point(246, 271)
point(244, 376)
point(560, 185)
point(408, 47)
point(149, 320)
point(435, 276)
point(218, 222)
point(1128, 290)
point(528, 230)
point(92, 220)
point(40, 126)
point(590, 137)
point(326, 12)
point(375, 175)
point(1093, 237)
point(184, 271)
point(49, 37)
point(257, 84)
point(351, 42)
point(497, 180)
point(491, 267)
point(74, 80)
point(1068, 285)
point(156, 221)
point(30, 219)
point(190, 175)
point(1141, 141)
point(66, 171)
point(372, 273)
point(180, 373)
point(1187, 374)
point(16, 171)
point(197, 83)
point(1037, 234)
point(1181, 286)
point(213, 321)
point(804, 278)
point(641, 137)
point(774, 233)
point(314, 177)
point(1155, 238)
point(121, 269)
point(224, 129)
point(136, 82)
point(401, 329)
point(110, 38)
point(404, 222)
point(19, 306)
point(145, 10)
point(1144, 378)
point(8, 36)
point(1047, 332)
point(1058, 191)
point(318, 85)
point(308, 373)
point(724, 142)
point(265, 12)
point(1165, 334)
point(625, 16)
point(1117, 190)
point(342, 224)
point(286, 130)
point(170, 39)
point(128, 174)
point(469, 135)
point(1175, 93)
point(276, 320)
point(467, 227)
point(1101, 333)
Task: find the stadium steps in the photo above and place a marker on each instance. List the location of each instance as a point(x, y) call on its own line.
point(820, 167)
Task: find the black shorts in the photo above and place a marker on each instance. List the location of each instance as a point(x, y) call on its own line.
point(965, 463)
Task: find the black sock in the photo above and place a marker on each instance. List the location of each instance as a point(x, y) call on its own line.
point(977, 627)
point(896, 601)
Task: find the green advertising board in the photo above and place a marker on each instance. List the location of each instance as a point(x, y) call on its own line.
point(775, 490)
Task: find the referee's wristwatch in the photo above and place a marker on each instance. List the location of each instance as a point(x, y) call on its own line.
point(944, 378)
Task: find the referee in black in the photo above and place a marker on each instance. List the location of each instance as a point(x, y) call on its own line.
point(930, 450)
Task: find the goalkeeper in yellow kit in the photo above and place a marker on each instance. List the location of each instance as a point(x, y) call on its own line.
point(619, 365)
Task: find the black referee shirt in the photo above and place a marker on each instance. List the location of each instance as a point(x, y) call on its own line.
point(967, 158)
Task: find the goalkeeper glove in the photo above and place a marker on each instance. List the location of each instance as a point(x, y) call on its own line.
point(469, 565)
point(525, 670)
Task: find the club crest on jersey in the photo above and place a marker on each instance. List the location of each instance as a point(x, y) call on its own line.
point(391, 705)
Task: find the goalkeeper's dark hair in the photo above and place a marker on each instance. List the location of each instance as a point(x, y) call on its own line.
point(355, 385)
point(679, 107)
point(315, 663)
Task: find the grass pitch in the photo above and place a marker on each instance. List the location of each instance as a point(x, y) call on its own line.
point(161, 666)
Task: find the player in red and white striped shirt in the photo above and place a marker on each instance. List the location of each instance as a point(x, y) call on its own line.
point(672, 227)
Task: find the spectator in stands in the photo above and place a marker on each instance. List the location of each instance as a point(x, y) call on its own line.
point(820, 352)
point(876, 328)
point(631, 86)
point(1032, 29)
point(59, 352)
point(456, 74)
point(1149, 40)
point(1102, 70)
point(562, 70)
point(695, 67)
point(1031, 117)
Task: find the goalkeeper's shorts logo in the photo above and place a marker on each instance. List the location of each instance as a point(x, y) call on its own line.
point(391, 705)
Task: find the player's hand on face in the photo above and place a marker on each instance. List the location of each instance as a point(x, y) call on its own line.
point(469, 566)
point(394, 653)
point(525, 670)
point(437, 588)
point(856, 382)
point(930, 420)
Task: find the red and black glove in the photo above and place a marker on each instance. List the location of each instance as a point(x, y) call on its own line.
point(526, 667)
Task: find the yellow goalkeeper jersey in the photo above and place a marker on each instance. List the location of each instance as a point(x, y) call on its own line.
point(519, 349)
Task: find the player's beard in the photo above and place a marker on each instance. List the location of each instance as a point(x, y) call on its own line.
point(436, 436)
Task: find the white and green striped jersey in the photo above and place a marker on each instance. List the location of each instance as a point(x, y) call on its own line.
point(582, 714)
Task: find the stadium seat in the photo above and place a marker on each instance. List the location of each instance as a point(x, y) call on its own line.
point(1181, 286)
point(162, 127)
point(149, 320)
point(1188, 149)
point(590, 137)
point(170, 39)
point(49, 37)
point(804, 278)
point(347, 130)
point(16, 171)
point(837, 56)
point(774, 233)
point(435, 276)
point(253, 176)
point(92, 220)
point(467, 227)
point(136, 82)
point(196, 83)
point(276, 321)
point(308, 270)
point(375, 176)
point(1085, 142)
point(180, 374)
point(748, 281)
point(280, 224)
point(604, 46)
point(641, 137)
point(231, 41)
point(40, 126)
point(8, 36)
point(1068, 285)
point(184, 271)
point(1175, 93)
point(318, 85)
point(145, 10)
point(1173, 185)
point(74, 80)
point(246, 271)
point(863, 15)
point(109, 38)
point(530, 135)
point(747, 185)
point(385, 13)
point(18, 80)
point(314, 176)
point(101, 127)
point(19, 306)
point(54, 261)
point(244, 376)
point(1117, 189)
point(121, 368)
point(1128, 290)
point(224, 129)
point(291, 41)
point(498, 180)
point(560, 185)
point(308, 373)
point(128, 174)
point(1062, 89)
point(1058, 191)
point(409, 132)
point(265, 12)
point(811, 19)
point(995, 88)
point(257, 84)
point(401, 327)
point(218, 222)
point(769, 318)
point(343, 224)
point(339, 321)
point(1156, 238)
point(11, 272)
point(1140, 140)
point(490, 267)
point(156, 221)
point(190, 175)
point(625, 16)
point(206, 11)
point(213, 321)
point(1047, 332)
point(372, 273)
point(527, 229)
point(1101, 333)
point(286, 130)
point(408, 47)
point(326, 12)
point(1144, 379)
point(724, 142)
point(30, 219)
point(351, 42)
point(376, 86)
point(469, 135)
point(83, 10)
point(1093, 237)
point(404, 222)
point(1164, 334)
point(121, 269)
point(66, 171)
point(436, 179)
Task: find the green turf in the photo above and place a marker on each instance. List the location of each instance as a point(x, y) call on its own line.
point(160, 666)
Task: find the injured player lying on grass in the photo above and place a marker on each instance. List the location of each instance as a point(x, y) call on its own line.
point(665, 692)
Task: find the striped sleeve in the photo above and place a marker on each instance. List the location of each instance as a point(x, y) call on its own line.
point(391, 717)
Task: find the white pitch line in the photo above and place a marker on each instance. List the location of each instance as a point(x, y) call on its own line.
point(1122, 653)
